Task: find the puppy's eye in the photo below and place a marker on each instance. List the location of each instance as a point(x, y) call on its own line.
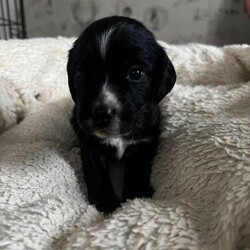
point(135, 74)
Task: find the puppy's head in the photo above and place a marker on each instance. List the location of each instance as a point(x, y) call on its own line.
point(116, 69)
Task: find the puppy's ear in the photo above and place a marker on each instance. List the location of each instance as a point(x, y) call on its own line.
point(166, 77)
point(71, 75)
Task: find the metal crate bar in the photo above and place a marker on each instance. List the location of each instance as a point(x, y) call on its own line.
point(12, 19)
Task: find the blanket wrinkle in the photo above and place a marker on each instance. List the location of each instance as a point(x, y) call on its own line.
point(201, 172)
point(10, 112)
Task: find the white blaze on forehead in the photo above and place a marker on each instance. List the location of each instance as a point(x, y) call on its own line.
point(104, 41)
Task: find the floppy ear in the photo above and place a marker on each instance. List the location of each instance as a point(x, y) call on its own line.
point(166, 77)
point(71, 75)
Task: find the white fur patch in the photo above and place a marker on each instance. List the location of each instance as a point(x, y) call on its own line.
point(104, 41)
point(109, 98)
point(121, 144)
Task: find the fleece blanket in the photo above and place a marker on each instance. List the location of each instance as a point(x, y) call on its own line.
point(201, 173)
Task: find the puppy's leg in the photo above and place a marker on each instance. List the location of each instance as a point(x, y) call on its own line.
point(137, 172)
point(96, 175)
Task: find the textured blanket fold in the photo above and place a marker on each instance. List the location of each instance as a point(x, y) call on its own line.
point(201, 173)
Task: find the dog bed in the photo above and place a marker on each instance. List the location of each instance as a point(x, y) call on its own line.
point(201, 173)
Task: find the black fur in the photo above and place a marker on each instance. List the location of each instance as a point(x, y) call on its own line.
point(130, 45)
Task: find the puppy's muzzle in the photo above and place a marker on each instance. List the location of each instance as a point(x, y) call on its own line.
point(102, 116)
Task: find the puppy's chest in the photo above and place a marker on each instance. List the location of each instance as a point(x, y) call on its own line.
point(121, 144)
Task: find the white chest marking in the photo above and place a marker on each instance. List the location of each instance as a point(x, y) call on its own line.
point(121, 144)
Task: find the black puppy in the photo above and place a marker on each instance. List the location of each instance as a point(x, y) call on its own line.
point(117, 75)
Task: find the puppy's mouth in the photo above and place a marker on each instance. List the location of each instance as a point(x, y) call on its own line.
point(104, 134)
point(101, 133)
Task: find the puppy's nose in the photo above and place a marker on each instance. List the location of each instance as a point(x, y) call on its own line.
point(103, 116)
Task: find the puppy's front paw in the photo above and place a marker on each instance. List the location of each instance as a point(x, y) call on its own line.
point(146, 192)
point(108, 206)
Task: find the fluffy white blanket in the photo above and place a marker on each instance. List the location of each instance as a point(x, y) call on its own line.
point(201, 174)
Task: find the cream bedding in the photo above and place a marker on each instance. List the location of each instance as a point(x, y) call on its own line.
point(201, 173)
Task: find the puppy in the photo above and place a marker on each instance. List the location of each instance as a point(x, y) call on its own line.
point(117, 76)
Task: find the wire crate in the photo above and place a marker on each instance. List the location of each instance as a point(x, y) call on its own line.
point(12, 19)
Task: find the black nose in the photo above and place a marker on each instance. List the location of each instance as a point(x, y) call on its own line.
point(102, 116)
